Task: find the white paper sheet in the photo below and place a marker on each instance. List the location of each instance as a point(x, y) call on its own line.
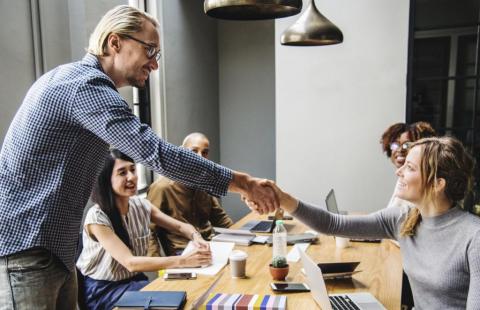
point(293, 256)
point(220, 253)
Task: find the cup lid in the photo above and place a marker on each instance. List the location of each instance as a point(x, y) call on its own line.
point(238, 255)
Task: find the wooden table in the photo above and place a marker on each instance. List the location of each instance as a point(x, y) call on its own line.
point(380, 264)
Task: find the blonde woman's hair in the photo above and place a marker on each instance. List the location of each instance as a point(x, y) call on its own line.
point(445, 158)
point(122, 19)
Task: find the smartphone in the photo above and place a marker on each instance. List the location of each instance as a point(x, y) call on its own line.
point(290, 287)
point(180, 276)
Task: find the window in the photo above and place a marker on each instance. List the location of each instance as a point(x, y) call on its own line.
point(443, 79)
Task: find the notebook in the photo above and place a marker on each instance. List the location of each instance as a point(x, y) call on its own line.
point(244, 302)
point(297, 238)
point(152, 300)
point(355, 301)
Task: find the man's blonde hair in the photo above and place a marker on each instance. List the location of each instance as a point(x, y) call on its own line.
point(122, 19)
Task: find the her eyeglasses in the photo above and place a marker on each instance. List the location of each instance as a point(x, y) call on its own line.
point(150, 48)
point(405, 146)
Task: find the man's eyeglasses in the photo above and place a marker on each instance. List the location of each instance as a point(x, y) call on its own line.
point(150, 48)
point(405, 146)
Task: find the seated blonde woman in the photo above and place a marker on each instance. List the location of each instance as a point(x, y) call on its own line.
point(116, 234)
point(440, 242)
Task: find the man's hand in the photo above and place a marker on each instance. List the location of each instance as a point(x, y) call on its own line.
point(287, 202)
point(258, 191)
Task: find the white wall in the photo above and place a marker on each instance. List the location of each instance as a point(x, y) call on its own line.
point(334, 102)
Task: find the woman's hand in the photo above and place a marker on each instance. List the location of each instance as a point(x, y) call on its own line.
point(199, 257)
point(287, 202)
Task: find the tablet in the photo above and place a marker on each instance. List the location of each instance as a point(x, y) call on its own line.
point(340, 270)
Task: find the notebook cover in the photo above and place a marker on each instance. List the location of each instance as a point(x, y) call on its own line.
point(159, 299)
point(244, 302)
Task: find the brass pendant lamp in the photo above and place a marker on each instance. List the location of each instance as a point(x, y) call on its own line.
point(251, 9)
point(312, 29)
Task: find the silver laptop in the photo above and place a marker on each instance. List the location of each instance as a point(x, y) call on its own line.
point(331, 203)
point(363, 301)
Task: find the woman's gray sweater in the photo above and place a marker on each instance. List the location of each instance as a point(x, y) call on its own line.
point(442, 260)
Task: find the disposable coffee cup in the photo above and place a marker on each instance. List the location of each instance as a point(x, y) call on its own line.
point(342, 242)
point(238, 263)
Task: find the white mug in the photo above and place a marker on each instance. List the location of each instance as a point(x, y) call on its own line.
point(342, 242)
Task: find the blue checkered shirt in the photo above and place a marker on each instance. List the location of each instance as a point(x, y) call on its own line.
point(56, 146)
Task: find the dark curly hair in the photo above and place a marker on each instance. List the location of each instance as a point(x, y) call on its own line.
point(415, 131)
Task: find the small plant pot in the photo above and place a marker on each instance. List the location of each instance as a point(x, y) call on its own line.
point(279, 273)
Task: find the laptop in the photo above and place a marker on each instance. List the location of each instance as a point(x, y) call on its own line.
point(331, 203)
point(354, 301)
point(259, 226)
point(262, 225)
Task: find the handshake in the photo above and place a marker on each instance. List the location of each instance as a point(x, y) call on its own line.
point(261, 195)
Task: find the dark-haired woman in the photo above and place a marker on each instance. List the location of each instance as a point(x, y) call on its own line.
point(440, 243)
point(116, 234)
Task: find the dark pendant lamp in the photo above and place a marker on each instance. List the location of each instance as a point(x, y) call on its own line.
point(251, 9)
point(312, 29)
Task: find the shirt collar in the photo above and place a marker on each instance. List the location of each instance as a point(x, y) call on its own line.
point(92, 61)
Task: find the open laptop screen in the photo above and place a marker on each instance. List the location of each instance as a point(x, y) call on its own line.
point(331, 202)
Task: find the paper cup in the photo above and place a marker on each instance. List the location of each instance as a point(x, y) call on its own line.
point(238, 263)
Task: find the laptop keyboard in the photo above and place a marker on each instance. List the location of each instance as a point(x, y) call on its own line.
point(262, 226)
point(342, 303)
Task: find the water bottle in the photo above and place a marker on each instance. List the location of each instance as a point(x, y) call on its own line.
point(279, 240)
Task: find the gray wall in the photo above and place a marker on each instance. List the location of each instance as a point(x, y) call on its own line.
point(64, 27)
point(334, 102)
point(17, 66)
point(190, 72)
point(17, 57)
point(247, 101)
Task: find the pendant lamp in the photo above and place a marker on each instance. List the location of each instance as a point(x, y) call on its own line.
point(312, 29)
point(251, 9)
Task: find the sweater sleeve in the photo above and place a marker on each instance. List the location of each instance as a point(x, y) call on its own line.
point(473, 257)
point(382, 224)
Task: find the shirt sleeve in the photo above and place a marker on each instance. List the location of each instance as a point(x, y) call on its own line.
point(382, 224)
point(473, 256)
point(218, 216)
point(99, 109)
point(96, 216)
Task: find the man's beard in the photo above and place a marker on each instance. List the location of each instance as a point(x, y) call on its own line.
point(136, 83)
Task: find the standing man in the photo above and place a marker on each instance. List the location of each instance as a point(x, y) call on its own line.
point(186, 204)
point(56, 146)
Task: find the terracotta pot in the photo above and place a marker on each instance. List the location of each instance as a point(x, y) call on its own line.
point(279, 273)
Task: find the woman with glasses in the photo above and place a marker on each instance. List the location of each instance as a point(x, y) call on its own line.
point(396, 142)
point(116, 234)
point(440, 242)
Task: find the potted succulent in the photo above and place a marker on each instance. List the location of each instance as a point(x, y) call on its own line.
point(279, 268)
